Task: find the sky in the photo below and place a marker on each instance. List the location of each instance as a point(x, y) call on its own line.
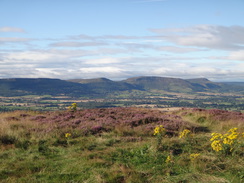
point(119, 39)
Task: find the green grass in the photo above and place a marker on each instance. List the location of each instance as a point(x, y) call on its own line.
point(114, 156)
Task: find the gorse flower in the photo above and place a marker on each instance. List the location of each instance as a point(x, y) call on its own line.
point(232, 130)
point(228, 141)
point(159, 130)
point(216, 145)
point(230, 136)
point(216, 136)
point(225, 141)
point(184, 133)
point(73, 107)
point(67, 135)
point(194, 156)
point(168, 159)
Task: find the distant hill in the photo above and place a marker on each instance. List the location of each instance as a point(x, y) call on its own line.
point(161, 83)
point(174, 84)
point(40, 86)
point(200, 84)
point(232, 87)
point(104, 85)
point(93, 80)
point(100, 87)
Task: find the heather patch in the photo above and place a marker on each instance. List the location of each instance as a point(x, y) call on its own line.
point(95, 121)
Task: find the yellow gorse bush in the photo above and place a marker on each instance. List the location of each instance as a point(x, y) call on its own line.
point(159, 130)
point(73, 107)
point(217, 145)
point(184, 133)
point(230, 136)
point(225, 141)
point(216, 136)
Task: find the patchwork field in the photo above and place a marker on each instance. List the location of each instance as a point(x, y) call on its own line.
point(116, 145)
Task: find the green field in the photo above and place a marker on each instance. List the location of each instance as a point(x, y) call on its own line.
point(155, 99)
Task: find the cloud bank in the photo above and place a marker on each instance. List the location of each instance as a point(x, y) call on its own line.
point(211, 51)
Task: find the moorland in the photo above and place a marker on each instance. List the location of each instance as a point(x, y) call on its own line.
point(122, 144)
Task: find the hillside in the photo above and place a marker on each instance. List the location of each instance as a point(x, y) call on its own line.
point(104, 85)
point(174, 84)
point(101, 87)
point(161, 83)
point(201, 84)
point(40, 86)
point(233, 87)
point(121, 145)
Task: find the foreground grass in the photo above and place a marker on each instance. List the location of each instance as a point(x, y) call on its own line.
point(32, 151)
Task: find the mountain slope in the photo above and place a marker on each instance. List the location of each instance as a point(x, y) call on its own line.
point(200, 84)
point(161, 83)
point(233, 87)
point(174, 84)
point(104, 85)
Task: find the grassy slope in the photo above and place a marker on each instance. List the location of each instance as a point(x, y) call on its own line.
point(117, 145)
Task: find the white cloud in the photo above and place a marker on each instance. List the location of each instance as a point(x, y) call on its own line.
point(31, 55)
point(204, 39)
point(102, 61)
point(237, 55)
point(57, 55)
point(101, 70)
point(121, 68)
point(77, 44)
point(11, 29)
point(199, 51)
point(176, 49)
point(210, 70)
point(13, 39)
point(114, 73)
point(48, 72)
point(207, 36)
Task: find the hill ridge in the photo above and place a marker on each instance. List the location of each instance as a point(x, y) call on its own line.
point(103, 86)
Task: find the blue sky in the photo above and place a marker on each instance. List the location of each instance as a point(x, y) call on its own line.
point(118, 39)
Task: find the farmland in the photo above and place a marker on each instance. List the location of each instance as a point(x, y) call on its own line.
point(225, 101)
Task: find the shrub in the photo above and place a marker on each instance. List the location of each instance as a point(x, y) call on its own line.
point(73, 107)
point(228, 142)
